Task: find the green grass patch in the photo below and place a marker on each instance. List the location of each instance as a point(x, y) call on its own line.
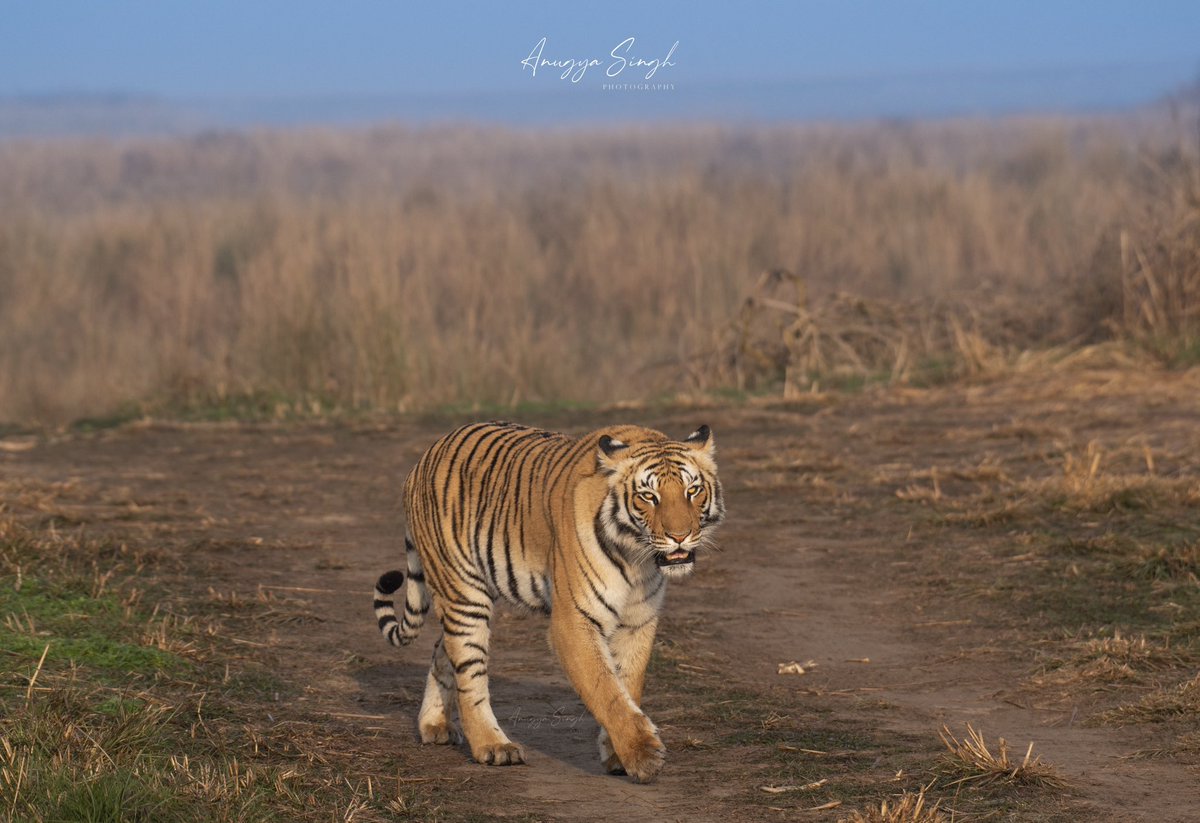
point(117, 417)
point(100, 652)
point(257, 406)
point(10, 429)
point(90, 631)
point(110, 711)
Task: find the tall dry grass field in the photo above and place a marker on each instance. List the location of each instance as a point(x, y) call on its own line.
point(410, 269)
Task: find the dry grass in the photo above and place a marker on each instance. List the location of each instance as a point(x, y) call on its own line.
point(1177, 561)
point(1185, 747)
point(1085, 485)
point(278, 273)
point(1109, 663)
point(1161, 266)
point(970, 760)
point(1075, 480)
point(909, 807)
point(1177, 702)
point(1132, 653)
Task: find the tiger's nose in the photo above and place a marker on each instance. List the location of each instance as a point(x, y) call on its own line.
point(678, 537)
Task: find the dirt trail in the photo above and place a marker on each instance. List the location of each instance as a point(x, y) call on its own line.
point(310, 512)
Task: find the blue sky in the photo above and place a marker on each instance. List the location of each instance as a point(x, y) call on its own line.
point(225, 47)
point(228, 49)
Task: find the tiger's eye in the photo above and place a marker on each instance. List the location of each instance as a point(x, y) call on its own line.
point(648, 497)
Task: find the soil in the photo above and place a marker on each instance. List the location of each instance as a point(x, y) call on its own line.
point(822, 561)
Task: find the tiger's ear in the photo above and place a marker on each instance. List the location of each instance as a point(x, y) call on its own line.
point(610, 446)
point(701, 439)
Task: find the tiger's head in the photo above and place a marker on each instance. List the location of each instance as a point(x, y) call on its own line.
point(664, 499)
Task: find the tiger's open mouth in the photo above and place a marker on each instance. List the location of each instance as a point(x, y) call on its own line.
point(675, 558)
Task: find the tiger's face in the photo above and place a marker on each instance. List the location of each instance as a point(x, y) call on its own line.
point(664, 498)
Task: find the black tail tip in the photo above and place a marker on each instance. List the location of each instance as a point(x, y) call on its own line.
point(390, 581)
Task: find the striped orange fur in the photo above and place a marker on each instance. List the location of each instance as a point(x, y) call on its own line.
point(587, 530)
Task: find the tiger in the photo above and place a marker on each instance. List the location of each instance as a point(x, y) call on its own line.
point(585, 530)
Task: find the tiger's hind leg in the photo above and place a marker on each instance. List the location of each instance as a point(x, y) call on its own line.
point(608, 755)
point(434, 722)
point(467, 634)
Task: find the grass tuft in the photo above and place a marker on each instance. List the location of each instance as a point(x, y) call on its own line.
point(909, 807)
point(969, 760)
point(1108, 663)
point(1084, 485)
point(1173, 561)
point(1180, 701)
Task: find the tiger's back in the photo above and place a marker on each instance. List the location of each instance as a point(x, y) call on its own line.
point(477, 506)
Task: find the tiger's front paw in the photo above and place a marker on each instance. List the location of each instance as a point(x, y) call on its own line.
point(644, 759)
point(499, 754)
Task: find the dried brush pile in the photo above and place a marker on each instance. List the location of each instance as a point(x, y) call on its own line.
point(781, 337)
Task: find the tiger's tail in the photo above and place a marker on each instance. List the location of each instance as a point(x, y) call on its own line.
point(416, 600)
